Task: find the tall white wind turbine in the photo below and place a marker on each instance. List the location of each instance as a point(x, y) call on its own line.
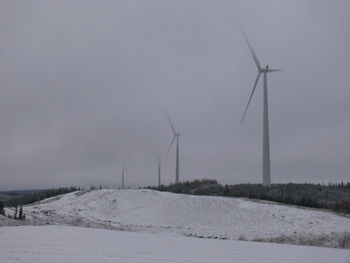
point(266, 138)
point(176, 137)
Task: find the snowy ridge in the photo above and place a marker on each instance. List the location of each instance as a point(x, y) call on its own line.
point(162, 212)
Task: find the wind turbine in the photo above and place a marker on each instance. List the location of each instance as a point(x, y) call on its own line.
point(266, 138)
point(159, 163)
point(124, 170)
point(176, 137)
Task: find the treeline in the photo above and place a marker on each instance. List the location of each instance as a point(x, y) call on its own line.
point(335, 197)
point(24, 199)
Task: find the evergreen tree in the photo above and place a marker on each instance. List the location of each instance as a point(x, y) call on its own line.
point(20, 215)
point(16, 211)
point(2, 211)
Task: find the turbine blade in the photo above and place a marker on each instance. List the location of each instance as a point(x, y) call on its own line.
point(171, 144)
point(251, 49)
point(251, 95)
point(274, 70)
point(171, 125)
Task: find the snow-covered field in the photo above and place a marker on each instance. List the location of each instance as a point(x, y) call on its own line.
point(161, 227)
point(56, 244)
point(163, 212)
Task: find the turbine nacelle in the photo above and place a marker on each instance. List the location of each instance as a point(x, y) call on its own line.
point(267, 70)
point(262, 70)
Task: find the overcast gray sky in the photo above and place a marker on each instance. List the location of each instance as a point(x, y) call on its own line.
point(85, 87)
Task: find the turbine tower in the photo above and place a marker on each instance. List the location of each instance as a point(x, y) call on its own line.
point(176, 137)
point(159, 163)
point(266, 138)
point(124, 170)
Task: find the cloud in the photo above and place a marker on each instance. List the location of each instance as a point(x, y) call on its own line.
point(86, 85)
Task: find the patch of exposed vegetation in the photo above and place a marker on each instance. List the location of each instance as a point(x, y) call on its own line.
point(335, 240)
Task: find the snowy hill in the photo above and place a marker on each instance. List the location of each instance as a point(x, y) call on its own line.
point(58, 244)
point(162, 212)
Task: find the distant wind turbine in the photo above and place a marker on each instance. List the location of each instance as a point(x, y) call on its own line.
point(266, 139)
point(124, 170)
point(176, 137)
point(159, 163)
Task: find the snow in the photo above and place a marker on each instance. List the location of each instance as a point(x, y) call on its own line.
point(162, 212)
point(67, 244)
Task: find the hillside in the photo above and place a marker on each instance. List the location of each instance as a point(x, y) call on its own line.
point(201, 216)
point(333, 197)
